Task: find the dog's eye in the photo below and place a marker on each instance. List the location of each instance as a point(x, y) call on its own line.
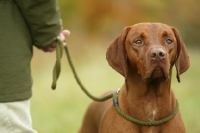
point(138, 42)
point(169, 41)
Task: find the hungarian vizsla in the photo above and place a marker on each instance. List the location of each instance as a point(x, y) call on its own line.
point(144, 54)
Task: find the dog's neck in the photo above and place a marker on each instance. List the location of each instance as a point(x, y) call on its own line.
point(147, 100)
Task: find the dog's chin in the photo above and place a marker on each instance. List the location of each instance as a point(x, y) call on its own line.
point(157, 74)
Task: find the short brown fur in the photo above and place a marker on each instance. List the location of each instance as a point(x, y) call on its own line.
point(144, 54)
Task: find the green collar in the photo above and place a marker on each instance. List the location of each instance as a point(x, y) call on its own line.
point(144, 123)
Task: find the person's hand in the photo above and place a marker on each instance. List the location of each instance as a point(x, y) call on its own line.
point(63, 35)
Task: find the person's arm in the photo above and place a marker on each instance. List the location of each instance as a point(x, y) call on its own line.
point(43, 20)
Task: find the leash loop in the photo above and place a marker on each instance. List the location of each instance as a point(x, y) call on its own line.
point(57, 66)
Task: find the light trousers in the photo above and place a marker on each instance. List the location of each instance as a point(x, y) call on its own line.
point(15, 117)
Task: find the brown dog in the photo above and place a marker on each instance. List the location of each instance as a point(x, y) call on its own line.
point(144, 54)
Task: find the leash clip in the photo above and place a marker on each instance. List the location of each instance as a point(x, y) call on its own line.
point(115, 98)
point(118, 90)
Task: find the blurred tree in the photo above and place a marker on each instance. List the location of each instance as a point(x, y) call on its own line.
point(108, 17)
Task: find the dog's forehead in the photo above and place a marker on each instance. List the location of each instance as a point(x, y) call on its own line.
point(151, 27)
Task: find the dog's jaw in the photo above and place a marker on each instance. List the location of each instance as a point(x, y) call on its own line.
point(157, 74)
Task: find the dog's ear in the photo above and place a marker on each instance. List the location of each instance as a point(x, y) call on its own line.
point(116, 54)
point(182, 61)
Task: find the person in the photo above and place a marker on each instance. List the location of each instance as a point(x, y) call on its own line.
point(23, 24)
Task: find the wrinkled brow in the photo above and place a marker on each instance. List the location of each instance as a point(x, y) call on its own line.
point(165, 33)
point(143, 35)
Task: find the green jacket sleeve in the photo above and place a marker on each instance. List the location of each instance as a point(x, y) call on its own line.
point(43, 20)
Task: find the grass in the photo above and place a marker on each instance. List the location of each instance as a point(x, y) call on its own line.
point(62, 110)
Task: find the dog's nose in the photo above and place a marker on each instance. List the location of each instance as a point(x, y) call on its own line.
point(157, 54)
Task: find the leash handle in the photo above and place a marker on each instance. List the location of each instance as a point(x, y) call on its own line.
point(57, 66)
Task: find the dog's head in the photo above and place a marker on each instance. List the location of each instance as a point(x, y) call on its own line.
point(150, 49)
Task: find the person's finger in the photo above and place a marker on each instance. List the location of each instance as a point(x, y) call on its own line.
point(62, 37)
point(66, 33)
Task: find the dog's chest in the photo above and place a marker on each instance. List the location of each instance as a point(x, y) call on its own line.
point(150, 111)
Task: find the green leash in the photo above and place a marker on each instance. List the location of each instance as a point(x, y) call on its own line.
point(56, 73)
point(81, 85)
point(57, 69)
